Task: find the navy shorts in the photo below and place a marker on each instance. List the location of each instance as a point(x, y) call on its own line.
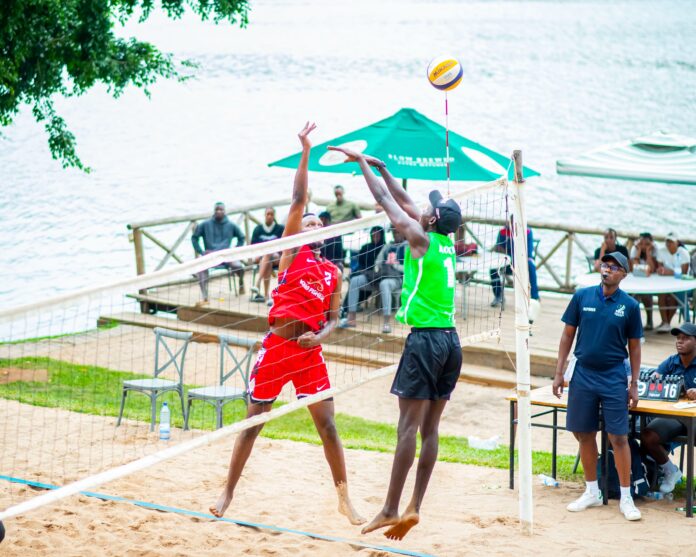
point(588, 388)
point(429, 366)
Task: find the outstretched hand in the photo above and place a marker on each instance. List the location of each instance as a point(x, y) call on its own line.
point(354, 156)
point(304, 135)
point(351, 156)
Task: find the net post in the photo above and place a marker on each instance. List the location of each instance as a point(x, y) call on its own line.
point(522, 291)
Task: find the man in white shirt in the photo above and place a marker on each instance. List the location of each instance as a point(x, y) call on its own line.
point(673, 256)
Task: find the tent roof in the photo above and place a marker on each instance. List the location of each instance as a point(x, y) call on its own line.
point(413, 146)
point(658, 157)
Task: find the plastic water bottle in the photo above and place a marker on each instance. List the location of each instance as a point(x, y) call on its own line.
point(548, 480)
point(164, 429)
point(658, 495)
point(489, 444)
point(677, 266)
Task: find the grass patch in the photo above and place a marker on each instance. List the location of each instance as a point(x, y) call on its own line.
point(97, 390)
point(111, 324)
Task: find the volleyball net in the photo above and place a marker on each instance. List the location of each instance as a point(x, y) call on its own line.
point(77, 371)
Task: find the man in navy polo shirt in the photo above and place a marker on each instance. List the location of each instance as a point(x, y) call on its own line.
point(661, 431)
point(606, 320)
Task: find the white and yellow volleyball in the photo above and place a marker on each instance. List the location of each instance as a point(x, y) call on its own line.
point(445, 73)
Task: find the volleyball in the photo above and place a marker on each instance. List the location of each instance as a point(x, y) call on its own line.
point(445, 73)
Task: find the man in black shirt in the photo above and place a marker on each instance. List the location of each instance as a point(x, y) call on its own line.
point(217, 234)
point(609, 245)
point(332, 249)
point(268, 230)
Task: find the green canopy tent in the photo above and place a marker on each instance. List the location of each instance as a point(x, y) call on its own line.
point(413, 147)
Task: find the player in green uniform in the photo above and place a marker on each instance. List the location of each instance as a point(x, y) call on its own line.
point(432, 357)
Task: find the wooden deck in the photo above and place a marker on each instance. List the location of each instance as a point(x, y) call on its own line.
point(366, 344)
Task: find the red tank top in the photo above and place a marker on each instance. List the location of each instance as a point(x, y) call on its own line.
point(304, 290)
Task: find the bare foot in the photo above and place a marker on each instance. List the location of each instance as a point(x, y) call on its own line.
point(345, 507)
point(407, 521)
point(221, 506)
point(382, 520)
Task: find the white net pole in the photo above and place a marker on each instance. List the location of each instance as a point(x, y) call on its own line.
point(521, 273)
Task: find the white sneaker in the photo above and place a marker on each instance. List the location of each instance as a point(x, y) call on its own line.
point(670, 480)
point(663, 328)
point(585, 501)
point(628, 508)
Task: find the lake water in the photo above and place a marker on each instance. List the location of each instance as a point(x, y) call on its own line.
point(552, 78)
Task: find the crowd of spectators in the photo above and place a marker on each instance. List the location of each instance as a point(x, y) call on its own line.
point(646, 258)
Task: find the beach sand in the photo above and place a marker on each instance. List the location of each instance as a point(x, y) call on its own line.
point(468, 510)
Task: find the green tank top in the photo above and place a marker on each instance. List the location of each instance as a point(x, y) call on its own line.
point(427, 296)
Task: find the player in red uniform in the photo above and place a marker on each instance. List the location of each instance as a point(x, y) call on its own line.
point(305, 311)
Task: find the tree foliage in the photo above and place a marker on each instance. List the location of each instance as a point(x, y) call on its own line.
point(64, 47)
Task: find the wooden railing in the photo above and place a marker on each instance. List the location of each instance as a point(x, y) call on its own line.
point(245, 216)
point(556, 257)
point(560, 262)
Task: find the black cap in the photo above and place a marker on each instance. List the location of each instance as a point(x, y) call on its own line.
point(447, 212)
point(619, 257)
point(688, 329)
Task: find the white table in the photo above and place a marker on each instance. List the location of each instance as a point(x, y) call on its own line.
point(654, 284)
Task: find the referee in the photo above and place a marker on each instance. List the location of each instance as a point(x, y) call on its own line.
point(606, 320)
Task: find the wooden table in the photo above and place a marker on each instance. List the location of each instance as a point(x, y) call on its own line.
point(544, 398)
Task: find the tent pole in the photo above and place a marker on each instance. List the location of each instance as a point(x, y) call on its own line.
point(522, 291)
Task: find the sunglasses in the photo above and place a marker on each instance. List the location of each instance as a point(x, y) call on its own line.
point(612, 268)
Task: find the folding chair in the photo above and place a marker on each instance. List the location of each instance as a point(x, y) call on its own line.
point(155, 387)
point(219, 395)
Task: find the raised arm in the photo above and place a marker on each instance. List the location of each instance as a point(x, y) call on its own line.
point(409, 226)
point(299, 188)
point(402, 198)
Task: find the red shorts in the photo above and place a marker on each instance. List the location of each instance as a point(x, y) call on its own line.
point(281, 360)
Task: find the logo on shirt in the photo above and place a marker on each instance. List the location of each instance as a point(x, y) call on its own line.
point(589, 309)
point(327, 278)
point(620, 311)
point(314, 289)
point(447, 250)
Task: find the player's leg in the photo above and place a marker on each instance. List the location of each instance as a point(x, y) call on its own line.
point(582, 419)
point(240, 454)
point(411, 412)
point(430, 439)
point(265, 385)
point(444, 352)
point(323, 416)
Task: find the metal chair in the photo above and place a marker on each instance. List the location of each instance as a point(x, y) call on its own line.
point(590, 263)
point(220, 395)
point(156, 386)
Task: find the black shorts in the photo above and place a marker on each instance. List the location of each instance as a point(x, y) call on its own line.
point(667, 429)
point(429, 366)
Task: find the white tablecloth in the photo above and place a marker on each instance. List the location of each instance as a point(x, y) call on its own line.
point(654, 284)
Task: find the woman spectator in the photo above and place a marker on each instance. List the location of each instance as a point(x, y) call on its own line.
point(674, 256)
point(644, 263)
